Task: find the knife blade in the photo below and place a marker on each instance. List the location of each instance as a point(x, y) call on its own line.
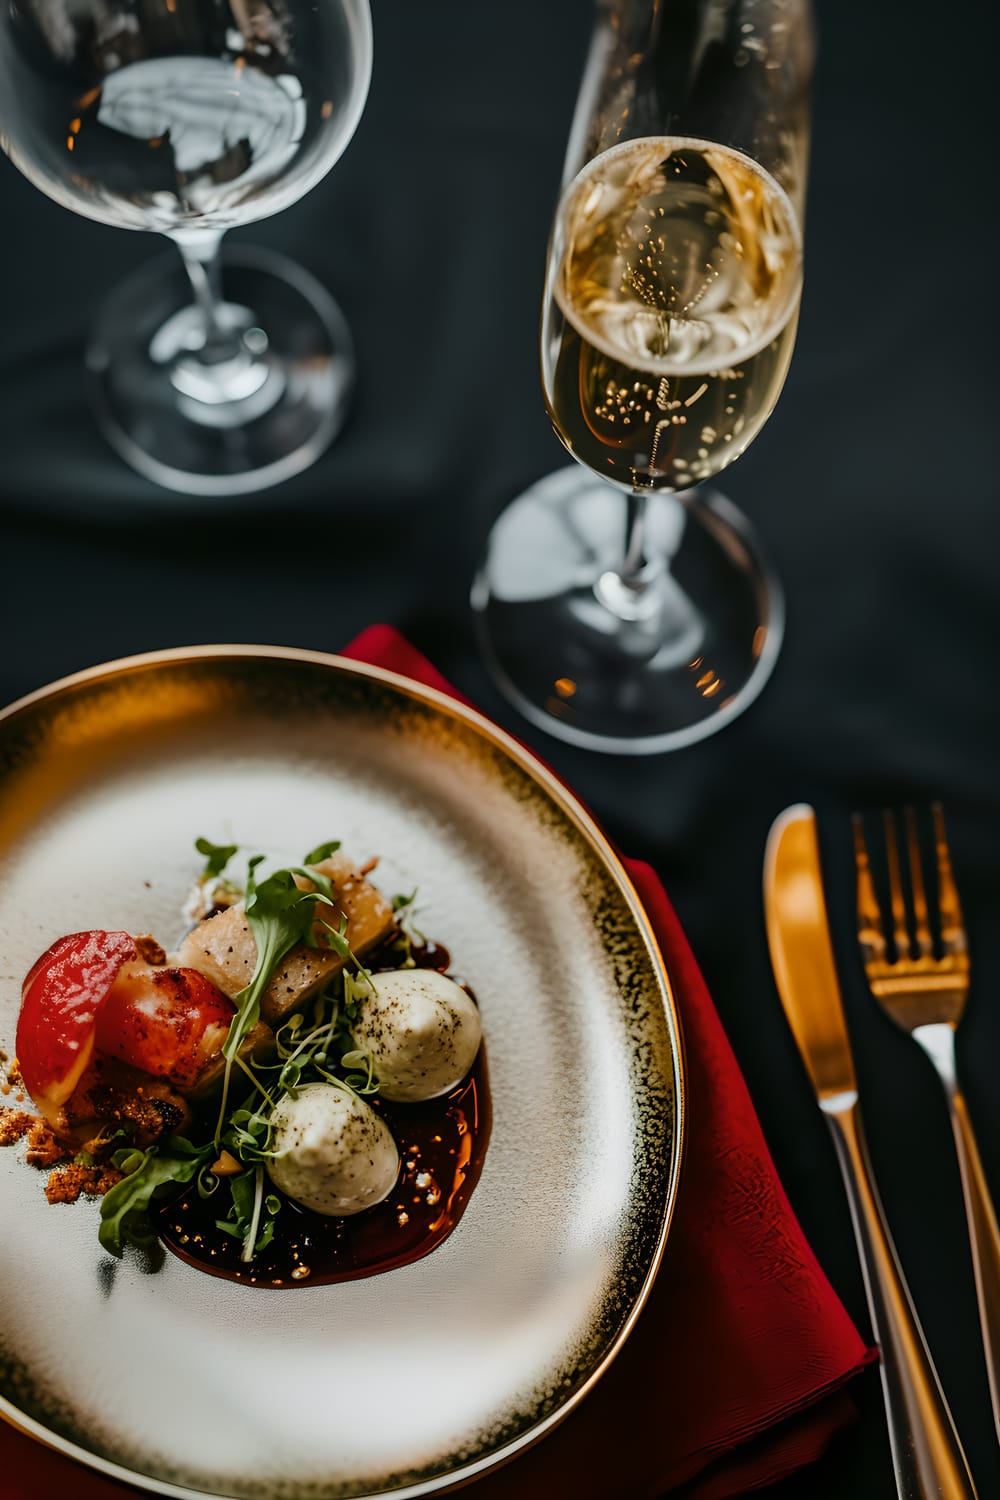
point(927, 1456)
point(798, 933)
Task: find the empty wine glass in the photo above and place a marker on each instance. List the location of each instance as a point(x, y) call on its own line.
point(189, 117)
point(619, 607)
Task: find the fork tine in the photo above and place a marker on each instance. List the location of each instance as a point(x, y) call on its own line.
point(921, 919)
point(900, 933)
point(949, 906)
point(871, 937)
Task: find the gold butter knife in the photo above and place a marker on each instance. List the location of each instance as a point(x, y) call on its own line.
point(927, 1455)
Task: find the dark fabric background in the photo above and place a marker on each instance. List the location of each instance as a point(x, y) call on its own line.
point(872, 485)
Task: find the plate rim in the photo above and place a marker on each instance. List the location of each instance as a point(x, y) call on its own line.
point(587, 826)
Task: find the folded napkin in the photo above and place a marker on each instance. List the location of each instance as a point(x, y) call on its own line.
point(734, 1374)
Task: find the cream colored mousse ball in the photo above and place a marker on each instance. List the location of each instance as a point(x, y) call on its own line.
point(335, 1154)
point(421, 1030)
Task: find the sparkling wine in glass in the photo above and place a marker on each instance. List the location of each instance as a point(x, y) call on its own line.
point(620, 607)
point(188, 117)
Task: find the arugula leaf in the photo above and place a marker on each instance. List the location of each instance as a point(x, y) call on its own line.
point(217, 856)
point(243, 1188)
point(228, 1227)
point(263, 1239)
point(321, 852)
point(125, 1207)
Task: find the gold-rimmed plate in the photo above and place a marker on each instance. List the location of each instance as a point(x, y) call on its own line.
point(420, 1378)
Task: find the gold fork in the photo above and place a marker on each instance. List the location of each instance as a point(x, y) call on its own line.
point(925, 995)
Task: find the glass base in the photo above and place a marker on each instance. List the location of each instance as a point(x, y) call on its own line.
point(632, 668)
point(263, 414)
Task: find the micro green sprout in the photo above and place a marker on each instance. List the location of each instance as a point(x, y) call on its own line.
point(360, 1083)
point(356, 987)
point(404, 909)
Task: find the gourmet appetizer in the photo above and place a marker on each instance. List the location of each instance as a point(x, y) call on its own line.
point(301, 1063)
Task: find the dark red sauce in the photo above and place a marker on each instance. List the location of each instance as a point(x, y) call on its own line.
point(442, 1145)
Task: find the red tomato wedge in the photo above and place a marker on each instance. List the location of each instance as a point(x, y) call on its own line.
point(92, 993)
point(60, 1000)
point(168, 1022)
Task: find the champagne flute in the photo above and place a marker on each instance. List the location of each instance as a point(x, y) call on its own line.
point(619, 607)
point(189, 117)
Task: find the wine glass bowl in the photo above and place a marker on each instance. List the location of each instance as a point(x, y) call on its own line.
point(669, 314)
point(188, 117)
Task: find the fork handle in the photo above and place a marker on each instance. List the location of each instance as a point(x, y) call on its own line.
point(938, 1041)
point(984, 1236)
point(927, 1455)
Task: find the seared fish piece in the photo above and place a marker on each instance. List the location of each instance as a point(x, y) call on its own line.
point(223, 947)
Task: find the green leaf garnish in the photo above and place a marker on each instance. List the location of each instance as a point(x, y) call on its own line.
point(216, 855)
point(321, 852)
point(263, 1239)
point(125, 1208)
point(228, 1227)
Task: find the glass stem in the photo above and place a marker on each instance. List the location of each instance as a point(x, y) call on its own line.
point(218, 355)
point(634, 564)
point(630, 590)
point(200, 254)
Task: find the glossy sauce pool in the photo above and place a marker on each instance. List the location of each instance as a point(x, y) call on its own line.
point(442, 1144)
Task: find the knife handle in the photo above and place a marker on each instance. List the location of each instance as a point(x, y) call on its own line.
point(927, 1455)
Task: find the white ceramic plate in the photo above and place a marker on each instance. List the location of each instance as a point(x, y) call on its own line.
point(417, 1379)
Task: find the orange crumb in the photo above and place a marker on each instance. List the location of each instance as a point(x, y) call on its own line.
point(43, 1148)
point(66, 1184)
point(14, 1123)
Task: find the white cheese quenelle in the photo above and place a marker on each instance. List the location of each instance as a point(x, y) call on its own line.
point(421, 1030)
point(335, 1154)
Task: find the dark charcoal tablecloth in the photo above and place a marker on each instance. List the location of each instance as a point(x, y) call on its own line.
point(871, 485)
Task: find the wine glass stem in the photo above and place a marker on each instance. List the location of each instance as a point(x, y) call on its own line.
point(631, 590)
point(200, 254)
point(634, 569)
point(219, 356)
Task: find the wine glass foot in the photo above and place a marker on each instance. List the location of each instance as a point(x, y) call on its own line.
point(267, 406)
point(635, 666)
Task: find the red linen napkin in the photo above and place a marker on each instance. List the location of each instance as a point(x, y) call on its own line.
point(733, 1376)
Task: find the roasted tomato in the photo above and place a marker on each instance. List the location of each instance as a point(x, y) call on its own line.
point(168, 1022)
point(60, 1000)
point(92, 992)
